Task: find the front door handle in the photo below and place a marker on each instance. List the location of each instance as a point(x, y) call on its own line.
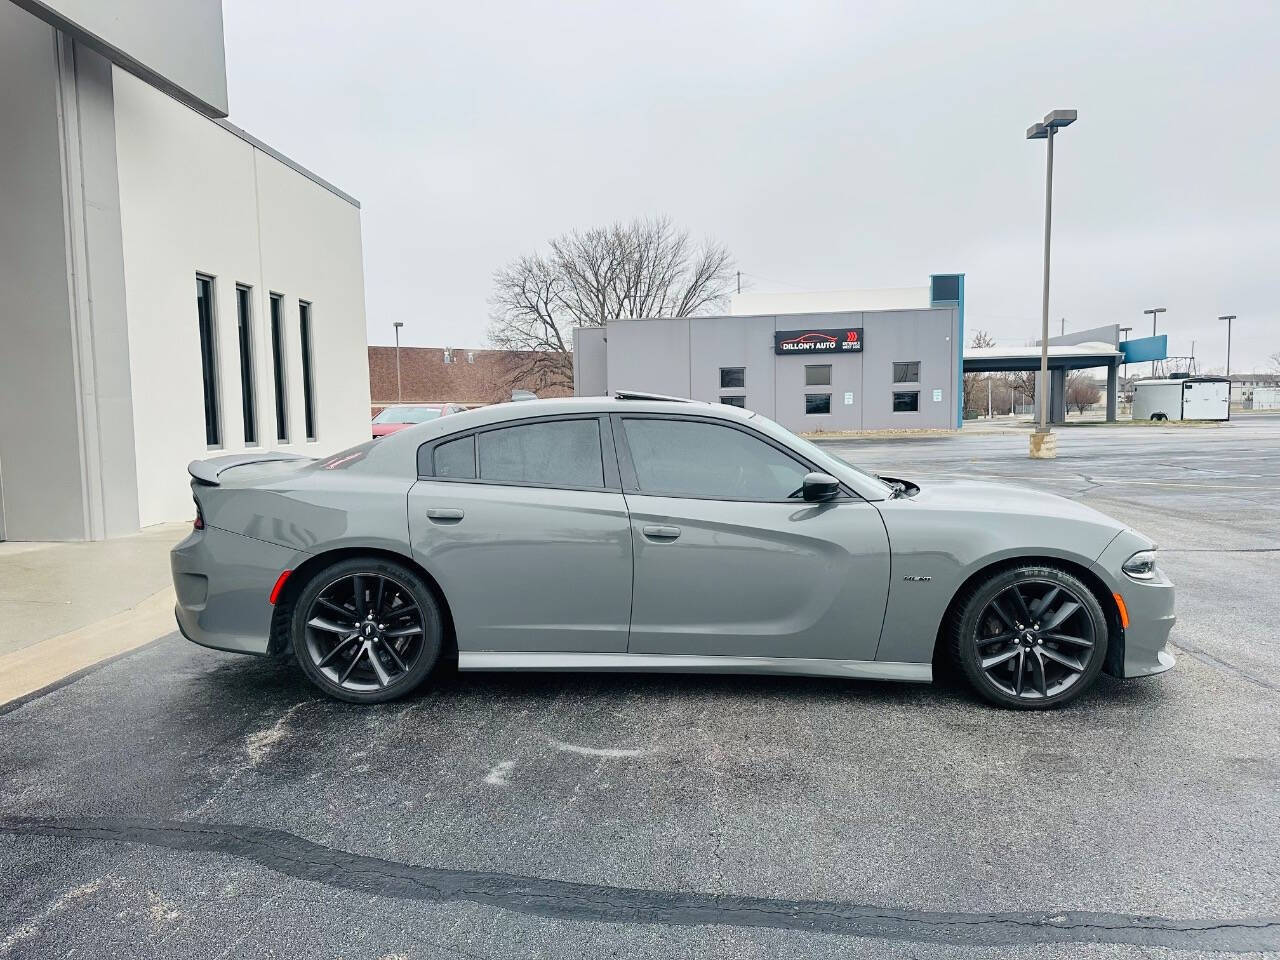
point(444, 514)
point(661, 533)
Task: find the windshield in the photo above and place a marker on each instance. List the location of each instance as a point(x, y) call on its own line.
point(816, 452)
point(407, 415)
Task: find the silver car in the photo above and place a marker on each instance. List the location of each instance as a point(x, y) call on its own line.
point(640, 533)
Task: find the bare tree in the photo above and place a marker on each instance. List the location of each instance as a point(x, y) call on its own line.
point(1082, 391)
point(975, 383)
point(645, 268)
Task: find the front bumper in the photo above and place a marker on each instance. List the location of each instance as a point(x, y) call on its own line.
point(223, 582)
point(1149, 604)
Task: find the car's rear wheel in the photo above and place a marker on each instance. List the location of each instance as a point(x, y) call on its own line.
point(367, 630)
point(1030, 637)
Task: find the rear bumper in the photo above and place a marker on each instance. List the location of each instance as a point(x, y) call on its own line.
point(223, 583)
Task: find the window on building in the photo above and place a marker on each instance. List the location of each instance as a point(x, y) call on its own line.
point(734, 401)
point(277, 366)
point(685, 458)
point(908, 402)
point(817, 403)
point(558, 453)
point(456, 459)
point(908, 372)
point(244, 329)
point(208, 360)
point(733, 378)
point(817, 375)
point(308, 369)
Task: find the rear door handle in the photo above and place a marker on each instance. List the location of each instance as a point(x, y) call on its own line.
point(662, 533)
point(444, 514)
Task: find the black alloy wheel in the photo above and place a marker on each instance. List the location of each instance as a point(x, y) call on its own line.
point(1030, 638)
point(367, 630)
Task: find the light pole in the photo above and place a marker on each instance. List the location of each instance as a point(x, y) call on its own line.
point(397, 324)
point(1041, 445)
point(1126, 331)
point(1229, 317)
point(1155, 315)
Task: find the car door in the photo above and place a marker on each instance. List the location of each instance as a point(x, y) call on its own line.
point(730, 562)
point(525, 529)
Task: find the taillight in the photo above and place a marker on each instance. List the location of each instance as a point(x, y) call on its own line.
point(198, 522)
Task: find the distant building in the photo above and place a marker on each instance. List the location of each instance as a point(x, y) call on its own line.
point(1243, 384)
point(453, 375)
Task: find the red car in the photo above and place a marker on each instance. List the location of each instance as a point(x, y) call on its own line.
point(401, 415)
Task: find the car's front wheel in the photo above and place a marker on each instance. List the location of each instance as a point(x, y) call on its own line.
point(1031, 637)
point(367, 630)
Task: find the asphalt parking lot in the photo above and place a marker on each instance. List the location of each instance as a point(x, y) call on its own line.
point(182, 802)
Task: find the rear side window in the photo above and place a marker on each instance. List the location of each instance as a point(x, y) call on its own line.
point(684, 458)
point(559, 453)
point(456, 459)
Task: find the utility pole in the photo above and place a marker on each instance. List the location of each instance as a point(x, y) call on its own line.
point(988, 396)
point(1063, 331)
point(1155, 313)
point(1042, 445)
point(1229, 317)
point(398, 324)
point(739, 281)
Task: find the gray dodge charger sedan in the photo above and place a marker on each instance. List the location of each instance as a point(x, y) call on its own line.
point(647, 533)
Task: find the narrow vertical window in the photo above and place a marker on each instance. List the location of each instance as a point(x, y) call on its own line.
point(308, 373)
point(208, 360)
point(277, 364)
point(244, 325)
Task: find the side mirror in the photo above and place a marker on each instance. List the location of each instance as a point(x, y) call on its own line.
point(820, 486)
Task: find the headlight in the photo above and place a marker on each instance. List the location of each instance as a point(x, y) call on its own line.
point(1141, 566)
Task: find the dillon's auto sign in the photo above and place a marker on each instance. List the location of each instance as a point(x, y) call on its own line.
point(844, 340)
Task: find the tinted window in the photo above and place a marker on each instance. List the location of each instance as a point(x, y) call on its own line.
point(734, 401)
point(244, 323)
point(908, 372)
point(561, 453)
point(277, 367)
point(456, 459)
point(817, 403)
point(906, 402)
point(208, 360)
point(685, 458)
point(733, 378)
point(308, 374)
point(817, 375)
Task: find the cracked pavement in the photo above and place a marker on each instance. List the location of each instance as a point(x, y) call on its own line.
point(667, 816)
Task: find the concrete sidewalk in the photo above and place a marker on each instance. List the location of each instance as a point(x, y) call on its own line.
point(65, 606)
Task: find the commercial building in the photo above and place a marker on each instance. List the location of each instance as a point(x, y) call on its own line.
point(472, 378)
point(173, 288)
point(847, 360)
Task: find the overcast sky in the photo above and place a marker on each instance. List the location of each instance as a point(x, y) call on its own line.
point(830, 146)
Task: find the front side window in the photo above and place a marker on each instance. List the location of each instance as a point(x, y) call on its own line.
point(733, 378)
point(817, 375)
point(908, 372)
point(817, 403)
point(688, 458)
point(456, 459)
point(908, 402)
point(557, 453)
point(208, 360)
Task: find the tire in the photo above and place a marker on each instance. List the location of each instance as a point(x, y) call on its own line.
point(1031, 656)
point(369, 646)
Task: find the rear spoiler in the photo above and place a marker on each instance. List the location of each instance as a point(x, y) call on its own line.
point(208, 471)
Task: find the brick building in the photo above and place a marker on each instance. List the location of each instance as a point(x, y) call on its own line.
point(470, 377)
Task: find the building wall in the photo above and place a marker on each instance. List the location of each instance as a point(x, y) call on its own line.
point(197, 198)
point(684, 358)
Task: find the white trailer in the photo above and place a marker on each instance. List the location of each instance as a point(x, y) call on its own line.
point(1266, 398)
point(1185, 398)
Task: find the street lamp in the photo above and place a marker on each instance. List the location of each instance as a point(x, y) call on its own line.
point(1229, 317)
point(1045, 130)
point(1155, 314)
point(397, 324)
point(1126, 331)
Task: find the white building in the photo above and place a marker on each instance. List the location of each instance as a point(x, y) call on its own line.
point(173, 288)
